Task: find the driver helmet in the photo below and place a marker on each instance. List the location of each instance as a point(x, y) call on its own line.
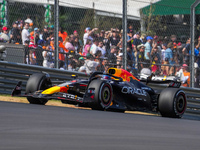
point(107, 77)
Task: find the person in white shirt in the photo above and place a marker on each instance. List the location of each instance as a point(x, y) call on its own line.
point(87, 34)
point(100, 47)
point(25, 33)
point(94, 47)
point(164, 46)
point(90, 64)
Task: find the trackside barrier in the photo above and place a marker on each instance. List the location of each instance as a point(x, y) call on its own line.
point(11, 73)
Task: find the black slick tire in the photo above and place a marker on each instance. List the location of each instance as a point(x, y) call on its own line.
point(172, 103)
point(37, 81)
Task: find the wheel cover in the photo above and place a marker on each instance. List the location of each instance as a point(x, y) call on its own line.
point(180, 104)
point(105, 96)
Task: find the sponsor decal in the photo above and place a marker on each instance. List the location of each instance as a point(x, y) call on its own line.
point(73, 97)
point(130, 90)
point(175, 84)
point(92, 91)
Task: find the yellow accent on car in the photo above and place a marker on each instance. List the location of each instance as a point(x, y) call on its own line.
point(164, 78)
point(51, 90)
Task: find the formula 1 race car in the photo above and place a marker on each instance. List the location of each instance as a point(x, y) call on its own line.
point(117, 90)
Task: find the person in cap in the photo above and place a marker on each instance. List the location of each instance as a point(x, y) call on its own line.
point(15, 36)
point(4, 36)
point(148, 48)
point(31, 43)
point(51, 28)
point(80, 62)
point(38, 53)
point(75, 33)
point(88, 33)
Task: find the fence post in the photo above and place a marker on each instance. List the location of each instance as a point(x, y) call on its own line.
point(124, 34)
point(56, 30)
point(192, 35)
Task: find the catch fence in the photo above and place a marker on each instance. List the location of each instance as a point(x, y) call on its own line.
point(164, 23)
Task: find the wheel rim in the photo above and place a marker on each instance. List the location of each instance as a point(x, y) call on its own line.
point(106, 95)
point(180, 104)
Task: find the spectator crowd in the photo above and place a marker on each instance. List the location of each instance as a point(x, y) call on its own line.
point(99, 49)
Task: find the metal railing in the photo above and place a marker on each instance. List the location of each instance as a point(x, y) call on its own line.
point(11, 73)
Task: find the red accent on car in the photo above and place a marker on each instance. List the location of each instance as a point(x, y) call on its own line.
point(64, 89)
point(60, 98)
point(83, 85)
point(92, 96)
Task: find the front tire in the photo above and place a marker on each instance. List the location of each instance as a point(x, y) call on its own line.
point(172, 103)
point(37, 81)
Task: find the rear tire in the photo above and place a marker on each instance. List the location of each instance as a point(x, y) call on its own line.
point(103, 94)
point(172, 103)
point(37, 81)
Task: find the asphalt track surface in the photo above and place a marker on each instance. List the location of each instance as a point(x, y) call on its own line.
point(35, 127)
